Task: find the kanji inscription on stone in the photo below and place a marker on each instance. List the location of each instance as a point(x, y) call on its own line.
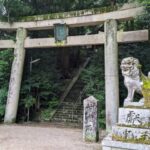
point(90, 120)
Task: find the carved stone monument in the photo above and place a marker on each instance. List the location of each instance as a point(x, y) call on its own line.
point(132, 132)
point(90, 120)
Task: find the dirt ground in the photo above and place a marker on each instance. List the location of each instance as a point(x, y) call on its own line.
point(18, 137)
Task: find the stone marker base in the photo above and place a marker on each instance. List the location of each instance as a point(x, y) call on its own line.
point(132, 131)
point(109, 144)
point(133, 135)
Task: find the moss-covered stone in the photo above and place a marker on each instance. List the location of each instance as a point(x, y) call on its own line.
point(61, 43)
point(68, 14)
point(146, 90)
point(146, 125)
point(137, 107)
point(90, 138)
point(141, 140)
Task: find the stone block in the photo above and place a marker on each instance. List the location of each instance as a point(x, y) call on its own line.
point(109, 144)
point(133, 104)
point(90, 120)
point(132, 135)
point(134, 117)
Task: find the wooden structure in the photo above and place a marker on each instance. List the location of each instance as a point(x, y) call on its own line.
point(111, 37)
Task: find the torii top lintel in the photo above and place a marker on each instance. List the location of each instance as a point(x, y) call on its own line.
point(86, 18)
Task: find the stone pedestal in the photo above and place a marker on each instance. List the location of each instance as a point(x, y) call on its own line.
point(90, 120)
point(132, 132)
point(109, 144)
point(132, 117)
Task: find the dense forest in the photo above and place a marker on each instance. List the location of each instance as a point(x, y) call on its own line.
point(48, 71)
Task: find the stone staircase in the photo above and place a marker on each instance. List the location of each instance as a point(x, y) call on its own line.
point(70, 111)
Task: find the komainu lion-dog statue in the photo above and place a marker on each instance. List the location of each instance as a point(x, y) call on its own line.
point(130, 68)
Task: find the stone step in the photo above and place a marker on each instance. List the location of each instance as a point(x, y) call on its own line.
point(67, 124)
point(71, 104)
point(68, 116)
point(68, 103)
point(71, 99)
point(70, 107)
point(134, 117)
point(131, 134)
point(67, 120)
point(69, 113)
point(70, 110)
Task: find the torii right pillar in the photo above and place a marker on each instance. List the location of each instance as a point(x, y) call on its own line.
point(111, 74)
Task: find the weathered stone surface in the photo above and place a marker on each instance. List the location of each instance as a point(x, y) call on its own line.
point(90, 120)
point(109, 144)
point(133, 134)
point(16, 77)
point(134, 104)
point(95, 39)
point(86, 20)
point(134, 117)
point(111, 74)
point(131, 72)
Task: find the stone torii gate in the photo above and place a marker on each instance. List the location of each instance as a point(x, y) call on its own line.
point(111, 37)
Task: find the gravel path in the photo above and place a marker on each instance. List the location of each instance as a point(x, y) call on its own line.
point(17, 137)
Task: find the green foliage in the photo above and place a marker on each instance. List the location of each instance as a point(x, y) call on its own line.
point(47, 113)
point(29, 101)
point(42, 84)
point(5, 67)
point(143, 21)
point(3, 96)
point(146, 82)
point(15, 9)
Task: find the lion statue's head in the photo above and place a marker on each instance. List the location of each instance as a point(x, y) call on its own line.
point(130, 67)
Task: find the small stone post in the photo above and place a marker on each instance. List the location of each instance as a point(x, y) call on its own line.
point(90, 120)
point(15, 78)
point(111, 74)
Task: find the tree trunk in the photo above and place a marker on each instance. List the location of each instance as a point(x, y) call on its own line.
point(16, 76)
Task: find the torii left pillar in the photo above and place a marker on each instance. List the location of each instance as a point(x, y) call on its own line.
point(16, 77)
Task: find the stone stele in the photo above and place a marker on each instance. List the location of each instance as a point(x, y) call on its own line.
point(90, 120)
